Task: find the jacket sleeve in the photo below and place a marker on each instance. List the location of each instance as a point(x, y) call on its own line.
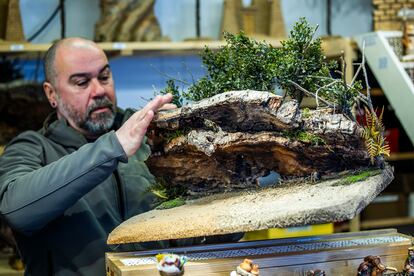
point(32, 194)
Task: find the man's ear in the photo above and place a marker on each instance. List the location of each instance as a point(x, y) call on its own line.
point(50, 93)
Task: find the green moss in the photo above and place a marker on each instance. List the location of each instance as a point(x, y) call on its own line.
point(361, 176)
point(171, 203)
point(306, 113)
point(305, 137)
point(175, 134)
point(165, 191)
point(311, 138)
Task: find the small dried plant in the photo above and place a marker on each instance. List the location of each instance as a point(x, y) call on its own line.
point(373, 135)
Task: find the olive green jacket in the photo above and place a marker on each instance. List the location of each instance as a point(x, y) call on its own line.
point(62, 195)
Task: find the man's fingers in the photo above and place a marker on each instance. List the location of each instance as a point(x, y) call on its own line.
point(153, 105)
point(157, 102)
point(132, 132)
point(140, 130)
point(145, 121)
point(168, 106)
point(148, 118)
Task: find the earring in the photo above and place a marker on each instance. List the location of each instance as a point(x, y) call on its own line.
point(53, 104)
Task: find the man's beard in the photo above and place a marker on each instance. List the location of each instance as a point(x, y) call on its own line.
point(98, 124)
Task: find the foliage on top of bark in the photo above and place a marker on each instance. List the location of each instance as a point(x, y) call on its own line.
point(298, 67)
point(299, 59)
point(241, 64)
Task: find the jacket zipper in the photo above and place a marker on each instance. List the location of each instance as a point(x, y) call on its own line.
point(121, 196)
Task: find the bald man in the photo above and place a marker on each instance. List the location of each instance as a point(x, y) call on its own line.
point(66, 186)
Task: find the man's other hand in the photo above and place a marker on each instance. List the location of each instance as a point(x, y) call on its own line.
point(132, 132)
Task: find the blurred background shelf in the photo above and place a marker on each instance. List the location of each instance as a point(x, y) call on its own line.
point(126, 48)
point(399, 156)
point(385, 223)
point(332, 46)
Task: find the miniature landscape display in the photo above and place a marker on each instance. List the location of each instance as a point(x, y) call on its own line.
point(231, 129)
point(237, 129)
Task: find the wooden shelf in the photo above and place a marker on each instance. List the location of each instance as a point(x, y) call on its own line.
point(125, 48)
point(376, 224)
point(384, 223)
point(332, 46)
point(390, 74)
point(10, 47)
point(400, 156)
point(376, 92)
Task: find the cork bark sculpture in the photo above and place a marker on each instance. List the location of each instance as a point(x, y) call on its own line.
point(211, 154)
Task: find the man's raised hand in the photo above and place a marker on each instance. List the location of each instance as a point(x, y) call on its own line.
point(132, 132)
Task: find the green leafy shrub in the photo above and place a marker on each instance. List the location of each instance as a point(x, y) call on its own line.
point(299, 67)
point(241, 64)
point(173, 89)
point(300, 60)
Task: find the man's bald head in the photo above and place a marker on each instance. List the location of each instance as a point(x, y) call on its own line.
point(50, 56)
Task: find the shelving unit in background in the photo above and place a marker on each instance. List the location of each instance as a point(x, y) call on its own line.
point(121, 48)
point(383, 52)
point(394, 90)
point(390, 74)
point(332, 46)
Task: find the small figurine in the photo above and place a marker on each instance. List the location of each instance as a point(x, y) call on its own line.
point(171, 264)
point(316, 272)
point(246, 268)
point(409, 263)
point(372, 266)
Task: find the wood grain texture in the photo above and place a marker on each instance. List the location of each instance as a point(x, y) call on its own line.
point(129, 20)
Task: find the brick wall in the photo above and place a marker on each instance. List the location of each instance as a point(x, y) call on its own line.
point(385, 13)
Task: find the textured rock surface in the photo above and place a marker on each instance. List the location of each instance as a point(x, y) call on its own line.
point(287, 205)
